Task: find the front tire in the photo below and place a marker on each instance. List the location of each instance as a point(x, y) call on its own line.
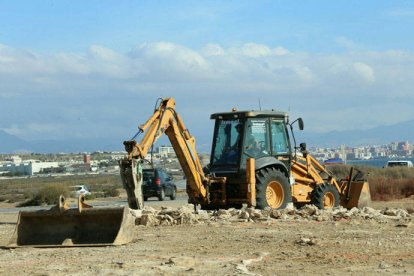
point(272, 189)
point(325, 196)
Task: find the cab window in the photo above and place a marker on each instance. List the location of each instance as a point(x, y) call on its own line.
point(280, 143)
point(227, 142)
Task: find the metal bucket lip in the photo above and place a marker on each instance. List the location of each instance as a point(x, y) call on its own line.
point(74, 211)
point(124, 234)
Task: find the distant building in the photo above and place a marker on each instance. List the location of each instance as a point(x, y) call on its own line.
point(28, 167)
point(166, 151)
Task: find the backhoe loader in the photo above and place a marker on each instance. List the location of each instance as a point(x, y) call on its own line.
point(253, 162)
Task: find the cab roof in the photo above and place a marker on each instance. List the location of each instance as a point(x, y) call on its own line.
point(250, 114)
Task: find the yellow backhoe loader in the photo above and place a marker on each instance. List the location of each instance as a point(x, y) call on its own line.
point(253, 162)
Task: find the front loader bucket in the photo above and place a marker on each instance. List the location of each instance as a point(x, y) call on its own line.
point(61, 227)
point(357, 195)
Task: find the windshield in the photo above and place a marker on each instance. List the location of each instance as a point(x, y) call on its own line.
point(227, 142)
point(256, 139)
point(148, 175)
point(397, 164)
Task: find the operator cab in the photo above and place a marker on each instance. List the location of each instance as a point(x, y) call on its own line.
point(243, 134)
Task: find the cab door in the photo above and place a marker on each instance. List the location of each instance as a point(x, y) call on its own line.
point(279, 139)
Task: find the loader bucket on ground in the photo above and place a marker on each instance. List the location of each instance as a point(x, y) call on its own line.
point(73, 227)
point(358, 195)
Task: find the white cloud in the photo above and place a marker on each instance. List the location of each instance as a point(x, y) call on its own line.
point(347, 43)
point(365, 71)
point(255, 50)
point(36, 88)
point(213, 50)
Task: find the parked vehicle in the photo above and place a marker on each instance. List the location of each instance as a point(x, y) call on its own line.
point(80, 190)
point(158, 183)
point(399, 163)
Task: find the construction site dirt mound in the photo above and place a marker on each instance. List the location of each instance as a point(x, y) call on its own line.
point(177, 241)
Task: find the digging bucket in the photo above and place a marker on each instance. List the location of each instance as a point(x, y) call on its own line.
point(358, 195)
point(68, 227)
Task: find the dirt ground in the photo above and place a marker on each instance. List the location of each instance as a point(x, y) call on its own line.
point(355, 246)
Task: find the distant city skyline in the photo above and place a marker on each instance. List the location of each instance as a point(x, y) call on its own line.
point(76, 70)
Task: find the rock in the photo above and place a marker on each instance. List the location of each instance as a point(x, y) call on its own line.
point(166, 211)
point(223, 212)
point(369, 210)
point(149, 210)
point(324, 216)
point(383, 265)
point(410, 210)
point(256, 215)
point(250, 210)
point(203, 215)
point(402, 213)
point(67, 242)
point(167, 220)
point(234, 212)
point(187, 218)
point(307, 241)
point(390, 212)
point(244, 215)
point(189, 208)
point(266, 212)
point(149, 220)
point(135, 213)
point(307, 210)
point(403, 224)
point(276, 214)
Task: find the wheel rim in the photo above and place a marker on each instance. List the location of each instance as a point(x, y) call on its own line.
point(274, 194)
point(328, 200)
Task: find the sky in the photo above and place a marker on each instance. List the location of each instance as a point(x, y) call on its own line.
point(91, 69)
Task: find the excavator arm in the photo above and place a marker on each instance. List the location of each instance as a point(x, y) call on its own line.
point(164, 120)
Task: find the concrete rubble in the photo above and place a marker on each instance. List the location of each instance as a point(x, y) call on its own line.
point(168, 216)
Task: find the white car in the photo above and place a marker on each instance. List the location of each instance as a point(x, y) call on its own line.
point(399, 163)
point(80, 190)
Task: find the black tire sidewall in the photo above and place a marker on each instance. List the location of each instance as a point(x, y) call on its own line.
point(263, 178)
point(174, 194)
point(162, 195)
point(320, 191)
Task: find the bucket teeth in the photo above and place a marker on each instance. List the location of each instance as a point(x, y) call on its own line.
point(82, 204)
point(62, 205)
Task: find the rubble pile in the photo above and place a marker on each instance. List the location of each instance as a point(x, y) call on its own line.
point(186, 215)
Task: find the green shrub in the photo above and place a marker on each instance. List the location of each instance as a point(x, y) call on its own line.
point(386, 188)
point(111, 191)
point(47, 195)
point(385, 183)
point(90, 197)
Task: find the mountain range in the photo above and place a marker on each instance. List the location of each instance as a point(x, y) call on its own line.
point(375, 136)
point(381, 135)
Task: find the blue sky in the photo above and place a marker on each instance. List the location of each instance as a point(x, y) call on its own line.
point(119, 25)
point(74, 68)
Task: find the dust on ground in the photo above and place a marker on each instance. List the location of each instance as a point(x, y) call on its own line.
point(237, 242)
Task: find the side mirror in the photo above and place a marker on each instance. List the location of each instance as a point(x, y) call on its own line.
point(302, 147)
point(300, 122)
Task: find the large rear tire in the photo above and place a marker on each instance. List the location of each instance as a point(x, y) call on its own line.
point(272, 189)
point(325, 196)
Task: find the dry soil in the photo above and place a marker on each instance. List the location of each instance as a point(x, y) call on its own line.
point(288, 245)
